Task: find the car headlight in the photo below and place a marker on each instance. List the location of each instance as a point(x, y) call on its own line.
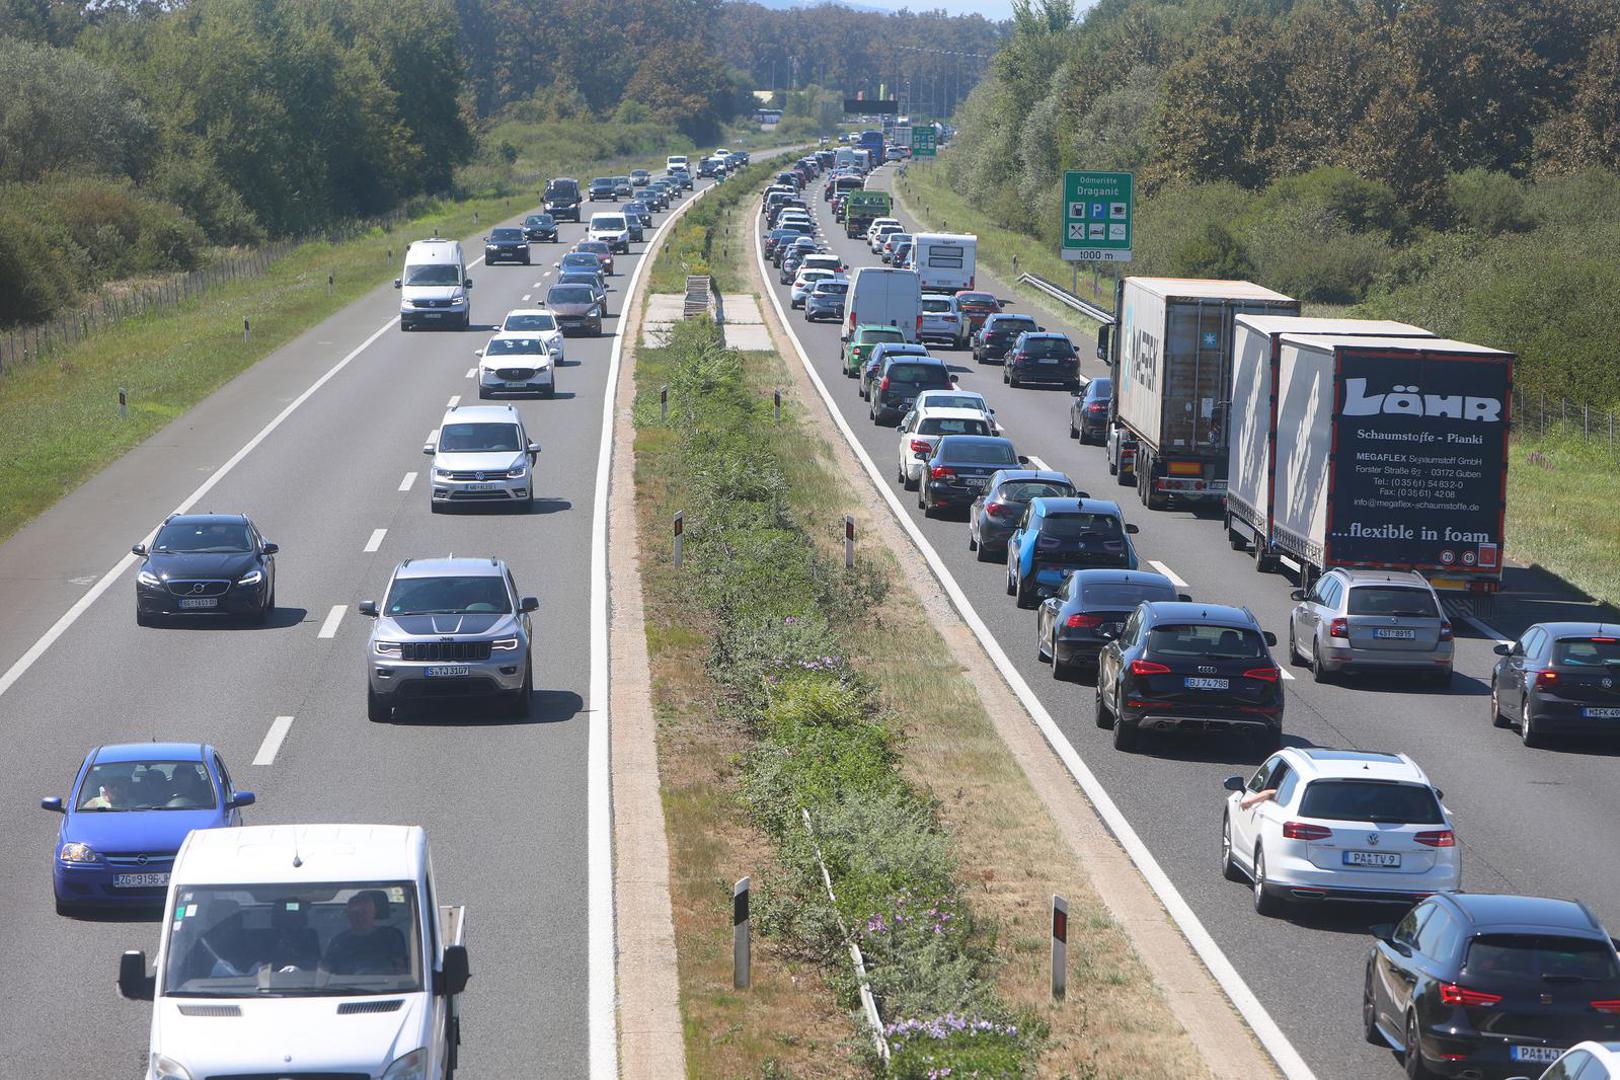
point(505, 644)
point(166, 1068)
point(252, 577)
point(442, 474)
point(146, 577)
point(77, 853)
point(387, 648)
point(413, 1066)
point(517, 472)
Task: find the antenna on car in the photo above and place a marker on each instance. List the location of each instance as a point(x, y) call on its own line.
point(298, 860)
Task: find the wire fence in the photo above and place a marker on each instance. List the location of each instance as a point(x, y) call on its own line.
point(1537, 414)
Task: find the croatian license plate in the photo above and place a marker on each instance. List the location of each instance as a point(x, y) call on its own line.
point(517, 384)
point(1535, 1053)
point(191, 602)
point(1388, 859)
point(1046, 360)
point(978, 483)
point(1601, 713)
point(482, 487)
point(447, 671)
point(140, 881)
point(434, 314)
point(1397, 635)
point(1195, 682)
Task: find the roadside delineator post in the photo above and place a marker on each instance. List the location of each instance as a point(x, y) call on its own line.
point(680, 537)
point(123, 403)
point(1060, 947)
point(849, 541)
point(247, 330)
point(329, 281)
point(663, 402)
point(740, 958)
point(778, 397)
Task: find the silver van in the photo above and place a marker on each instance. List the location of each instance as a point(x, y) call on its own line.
point(434, 289)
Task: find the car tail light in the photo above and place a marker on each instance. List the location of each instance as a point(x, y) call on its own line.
point(942, 472)
point(884, 385)
point(1299, 830)
point(920, 446)
point(1437, 838)
point(1452, 994)
point(1609, 1006)
point(1265, 674)
point(1096, 406)
point(1084, 622)
point(919, 326)
point(1148, 667)
point(1546, 680)
point(1602, 640)
point(1339, 628)
point(1445, 631)
point(1000, 510)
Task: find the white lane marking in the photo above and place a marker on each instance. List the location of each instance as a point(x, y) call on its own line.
point(1039, 464)
point(376, 539)
point(471, 372)
point(538, 284)
point(405, 484)
point(455, 399)
point(1175, 578)
point(1265, 1028)
point(602, 987)
point(1486, 628)
point(432, 439)
point(333, 617)
point(526, 297)
point(272, 741)
point(1285, 673)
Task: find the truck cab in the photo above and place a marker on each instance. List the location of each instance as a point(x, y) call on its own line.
point(292, 950)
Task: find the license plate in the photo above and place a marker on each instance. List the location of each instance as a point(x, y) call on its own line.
point(1536, 1053)
point(1372, 858)
point(482, 487)
point(189, 602)
point(1398, 635)
point(978, 483)
point(1601, 713)
point(140, 881)
point(1195, 682)
point(434, 314)
point(517, 385)
point(447, 671)
point(1046, 359)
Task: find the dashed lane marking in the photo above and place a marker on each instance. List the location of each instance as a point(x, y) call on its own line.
point(333, 617)
point(1175, 578)
point(405, 484)
point(273, 740)
point(376, 539)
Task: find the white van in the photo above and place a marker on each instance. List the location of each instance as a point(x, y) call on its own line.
point(675, 161)
point(303, 950)
point(434, 288)
point(946, 262)
point(612, 230)
point(880, 296)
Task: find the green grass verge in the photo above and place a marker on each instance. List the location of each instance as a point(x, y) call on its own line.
point(691, 248)
point(1561, 513)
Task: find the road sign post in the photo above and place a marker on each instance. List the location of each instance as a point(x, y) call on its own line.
point(1098, 212)
point(922, 141)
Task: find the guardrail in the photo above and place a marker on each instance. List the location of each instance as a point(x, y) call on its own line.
point(1067, 298)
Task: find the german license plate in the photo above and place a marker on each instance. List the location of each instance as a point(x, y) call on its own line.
point(1601, 713)
point(447, 671)
point(482, 487)
point(140, 881)
point(1386, 859)
point(1397, 635)
point(1535, 1053)
point(188, 603)
point(1196, 682)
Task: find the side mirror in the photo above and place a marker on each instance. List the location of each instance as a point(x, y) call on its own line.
point(138, 549)
point(53, 803)
point(242, 798)
point(1132, 528)
point(1297, 594)
point(1503, 649)
point(486, 239)
point(532, 449)
point(133, 981)
point(429, 449)
point(1040, 329)
point(539, 303)
point(455, 972)
point(1269, 637)
point(1022, 460)
point(530, 603)
point(367, 608)
point(1102, 342)
point(1233, 783)
point(396, 283)
point(1185, 598)
point(1108, 635)
point(478, 352)
point(1438, 794)
point(1383, 931)
point(467, 284)
point(955, 380)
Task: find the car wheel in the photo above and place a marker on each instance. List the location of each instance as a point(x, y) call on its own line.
point(1105, 719)
point(1413, 1056)
point(1229, 866)
point(1074, 432)
point(1319, 668)
point(268, 609)
point(1113, 470)
point(973, 541)
point(985, 554)
point(1294, 659)
point(1265, 901)
point(1369, 1014)
point(1527, 728)
point(1060, 670)
point(1125, 733)
point(907, 482)
point(1497, 719)
point(1012, 590)
point(1026, 594)
point(378, 711)
point(518, 704)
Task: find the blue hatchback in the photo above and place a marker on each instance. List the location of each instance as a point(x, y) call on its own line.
point(1056, 537)
point(131, 807)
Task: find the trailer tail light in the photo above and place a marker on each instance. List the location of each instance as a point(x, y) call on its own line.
point(1339, 628)
point(942, 472)
point(1437, 838)
point(1084, 622)
point(1264, 674)
point(1546, 680)
point(1148, 667)
point(1452, 994)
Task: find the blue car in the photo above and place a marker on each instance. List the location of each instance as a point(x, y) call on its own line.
point(1056, 537)
point(130, 808)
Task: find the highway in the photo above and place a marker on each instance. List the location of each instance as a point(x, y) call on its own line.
point(339, 482)
point(1520, 813)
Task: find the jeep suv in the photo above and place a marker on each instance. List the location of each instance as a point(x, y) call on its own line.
point(482, 455)
point(562, 199)
point(449, 628)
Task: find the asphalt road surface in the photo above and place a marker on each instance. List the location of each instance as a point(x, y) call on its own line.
point(340, 484)
point(1528, 821)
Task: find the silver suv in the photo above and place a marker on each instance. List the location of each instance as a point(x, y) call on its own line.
point(482, 454)
point(449, 628)
point(1362, 619)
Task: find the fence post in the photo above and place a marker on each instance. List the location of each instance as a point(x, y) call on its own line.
point(1586, 421)
point(123, 403)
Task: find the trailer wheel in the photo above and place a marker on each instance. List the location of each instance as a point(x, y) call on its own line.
point(1233, 537)
point(1263, 563)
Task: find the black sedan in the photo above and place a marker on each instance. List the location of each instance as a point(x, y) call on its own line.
point(1190, 667)
point(1559, 678)
point(205, 564)
point(960, 470)
point(997, 335)
point(1042, 358)
point(603, 189)
point(1089, 610)
point(994, 515)
point(506, 245)
point(540, 228)
point(1088, 411)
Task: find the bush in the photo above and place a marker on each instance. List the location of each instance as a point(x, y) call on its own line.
point(956, 1046)
point(1489, 202)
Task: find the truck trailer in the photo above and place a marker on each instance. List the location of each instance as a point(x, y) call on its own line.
point(863, 207)
point(1391, 454)
point(1171, 353)
point(1256, 348)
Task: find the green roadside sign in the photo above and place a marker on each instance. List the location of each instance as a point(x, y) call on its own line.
point(1097, 215)
point(922, 141)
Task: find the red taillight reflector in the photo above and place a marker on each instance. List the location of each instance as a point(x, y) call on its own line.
point(1437, 838)
point(1339, 628)
point(1084, 622)
point(1299, 830)
point(884, 385)
point(1186, 468)
point(1148, 667)
point(1452, 994)
point(1546, 680)
point(1603, 640)
point(1268, 674)
point(1610, 1006)
point(1000, 510)
point(942, 472)
point(920, 446)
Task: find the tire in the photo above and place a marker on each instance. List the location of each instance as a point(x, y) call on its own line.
point(973, 545)
point(984, 554)
point(518, 704)
point(1412, 1059)
point(908, 483)
point(1125, 734)
point(1294, 659)
point(1012, 590)
point(378, 711)
point(1074, 432)
point(1234, 539)
point(1025, 594)
point(1105, 719)
point(1497, 719)
point(1229, 867)
point(1319, 671)
point(1369, 1014)
point(1061, 672)
point(1527, 729)
point(269, 609)
point(1265, 902)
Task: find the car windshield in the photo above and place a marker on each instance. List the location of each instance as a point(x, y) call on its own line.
point(1100, 389)
point(976, 299)
point(1371, 800)
point(433, 274)
point(1011, 326)
point(1587, 652)
point(951, 425)
point(529, 322)
point(614, 223)
point(1025, 490)
point(1082, 527)
point(930, 304)
point(204, 537)
point(974, 452)
point(1385, 600)
point(584, 259)
point(1048, 347)
point(595, 247)
point(579, 277)
point(539, 219)
point(113, 786)
point(483, 594)
point(918, 373)
point(1543, 958)
point(953, 401)
point(514, 347)
point(1199, 641)
point(1124, 595)
point(570, 294)
point(481, 438)
point(875, 336)
point(294, 940)
point(506, 234)
point(602, 181)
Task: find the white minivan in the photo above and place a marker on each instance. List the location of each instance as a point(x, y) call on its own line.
point(675, 161)
point(434, 289)
point(303, 950)
point(612, 230)
point(880, 296)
